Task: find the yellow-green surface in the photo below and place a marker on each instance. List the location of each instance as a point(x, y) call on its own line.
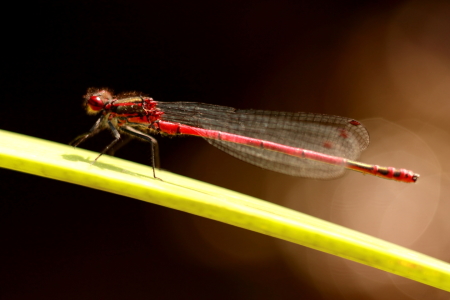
point(62, 162)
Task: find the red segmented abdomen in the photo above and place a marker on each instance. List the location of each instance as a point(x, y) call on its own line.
point(384, 172)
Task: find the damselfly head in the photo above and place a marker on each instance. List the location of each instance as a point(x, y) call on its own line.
point(95, 99)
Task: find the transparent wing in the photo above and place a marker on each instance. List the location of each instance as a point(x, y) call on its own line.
point(331, 135)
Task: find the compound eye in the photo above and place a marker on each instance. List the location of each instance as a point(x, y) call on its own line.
point(95, 103)
point(95, 100)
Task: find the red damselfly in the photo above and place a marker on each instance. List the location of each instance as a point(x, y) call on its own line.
point(298, 144)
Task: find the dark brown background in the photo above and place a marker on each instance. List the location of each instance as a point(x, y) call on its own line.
point(385, 62)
